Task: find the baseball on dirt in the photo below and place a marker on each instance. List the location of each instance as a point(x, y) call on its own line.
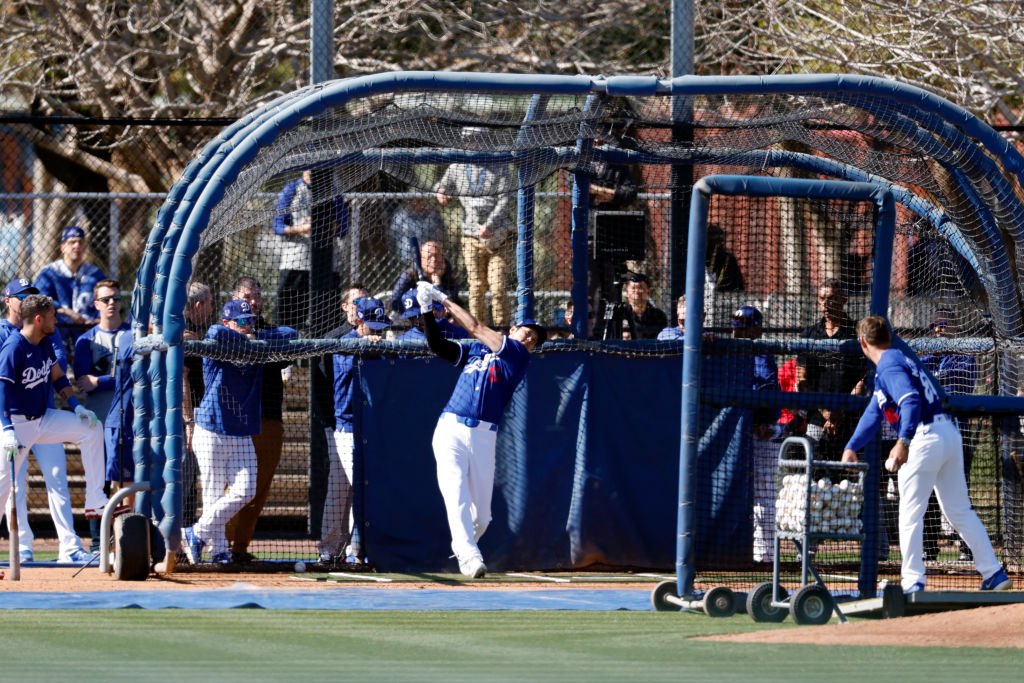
point(300, 567)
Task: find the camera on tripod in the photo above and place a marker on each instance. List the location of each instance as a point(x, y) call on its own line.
point(616, 237)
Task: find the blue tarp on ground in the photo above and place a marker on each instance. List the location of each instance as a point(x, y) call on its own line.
point(335, 597)
point(587, 466)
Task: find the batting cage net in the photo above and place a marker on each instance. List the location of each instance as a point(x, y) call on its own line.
point(295, 241)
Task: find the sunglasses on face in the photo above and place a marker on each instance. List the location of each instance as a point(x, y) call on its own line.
point(108, 299)
point(22, 296)
point(244, 322)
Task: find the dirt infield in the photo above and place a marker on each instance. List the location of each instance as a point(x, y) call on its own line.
point(999, 626)
point(63, 580)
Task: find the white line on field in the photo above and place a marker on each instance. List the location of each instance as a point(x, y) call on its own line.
point(535, 577)
point(360, 577)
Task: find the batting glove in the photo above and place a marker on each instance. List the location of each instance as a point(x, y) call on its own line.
point(435, 293)
point(86, 415)
point(424, 295)
point(9, 443)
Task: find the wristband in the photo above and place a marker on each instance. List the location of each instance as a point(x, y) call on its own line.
point(62, 383)
point(72, 402)
point(905, 441)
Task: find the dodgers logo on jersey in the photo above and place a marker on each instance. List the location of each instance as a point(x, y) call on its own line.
point(33, 377)
point(480, 363)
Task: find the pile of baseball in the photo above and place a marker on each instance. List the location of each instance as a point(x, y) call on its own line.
point(835, 508)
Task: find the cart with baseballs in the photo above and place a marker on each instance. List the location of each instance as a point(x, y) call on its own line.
point(808, 510)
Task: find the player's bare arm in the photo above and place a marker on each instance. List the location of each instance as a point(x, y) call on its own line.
point(492, 339)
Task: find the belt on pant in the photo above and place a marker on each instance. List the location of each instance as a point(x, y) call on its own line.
point(941, 417)
point(470, 421)
point(28, 418)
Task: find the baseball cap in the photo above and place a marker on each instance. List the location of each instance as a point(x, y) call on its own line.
point(940, 319)
point(411, 306)
point(371, 312)
point(71, 232)
point(542, 334)
point(236, 309)
point(19, 285)
point(746, 316)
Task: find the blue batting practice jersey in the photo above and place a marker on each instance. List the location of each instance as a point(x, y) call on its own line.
point(343, 382)
point(231, 404)
point(902, 396)
point(27, 367)
point(488, 379)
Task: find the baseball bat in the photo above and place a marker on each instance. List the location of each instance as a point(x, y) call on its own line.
point(12, 523)
point(414, 245)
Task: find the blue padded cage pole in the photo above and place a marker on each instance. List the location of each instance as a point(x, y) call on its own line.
point(525, 212)
point(686, 520)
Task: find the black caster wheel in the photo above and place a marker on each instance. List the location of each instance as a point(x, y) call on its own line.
point(131, 547)
point(659, 594)
point(719, 602)
point(759, 604)
point(812, 604)
point(894, 604)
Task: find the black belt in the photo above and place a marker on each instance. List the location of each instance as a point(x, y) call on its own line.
point(29, 417)
point(938, 417)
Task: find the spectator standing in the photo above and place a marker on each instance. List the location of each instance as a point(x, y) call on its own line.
point(484, 192)
point(414, 222)
point(639, 318)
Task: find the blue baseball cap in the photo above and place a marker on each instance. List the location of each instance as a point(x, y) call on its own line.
point(71, 232)
point(19, 285)
point(237, 309)
point(542, 334)
point(371, 312)
point(411, 306)
point(746, 316)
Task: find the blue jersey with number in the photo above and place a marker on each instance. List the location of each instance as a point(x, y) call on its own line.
point(26, 367)
point(488, 379)
point(902, 396)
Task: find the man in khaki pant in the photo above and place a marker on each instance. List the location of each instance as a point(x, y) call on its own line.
point(483, 192)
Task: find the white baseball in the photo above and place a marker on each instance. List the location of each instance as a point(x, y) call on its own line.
point(300, 566)
point(844, 485)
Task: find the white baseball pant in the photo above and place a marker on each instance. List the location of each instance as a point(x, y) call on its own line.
point(465, 475)
point(54, 466)
point(227, 476)
point(336, 524)
point(936, 461)
point(766, 459)
point(57, 427)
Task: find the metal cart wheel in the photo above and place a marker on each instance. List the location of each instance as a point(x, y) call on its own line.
point(759, 604)
point(894, 603)
point(812, 604)
point(131, 547)
point(658, 600)
point(719, 602)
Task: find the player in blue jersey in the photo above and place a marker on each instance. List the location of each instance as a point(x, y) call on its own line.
point(414, 314)
point(928, 455)
point(69, 280)
point(226, 420)
point(50, 456)
point(337, 522)
point(467, 431)
point(28, 367)
point(95, 366)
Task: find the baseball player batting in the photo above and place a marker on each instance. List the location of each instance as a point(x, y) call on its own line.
point(928, 455)
point(467, 431)
point(27, 366)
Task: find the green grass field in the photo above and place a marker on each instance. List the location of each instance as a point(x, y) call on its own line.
point(241, 644)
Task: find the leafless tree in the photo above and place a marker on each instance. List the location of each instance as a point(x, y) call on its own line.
point(205, 58)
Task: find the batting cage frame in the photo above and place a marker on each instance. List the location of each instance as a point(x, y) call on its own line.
point(971, 201)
